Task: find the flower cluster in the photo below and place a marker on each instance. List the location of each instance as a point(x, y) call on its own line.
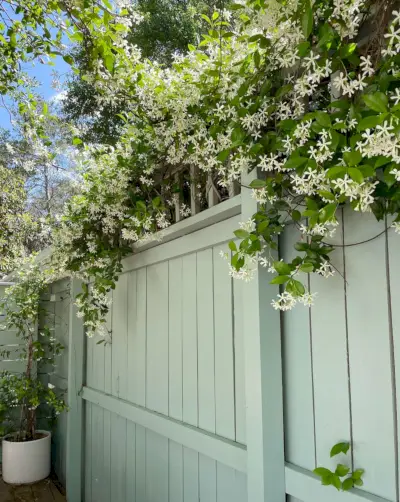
point(279, 86)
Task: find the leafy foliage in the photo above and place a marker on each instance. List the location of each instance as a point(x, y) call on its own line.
point(21, 394)
point(256, 92)
point(335, 478)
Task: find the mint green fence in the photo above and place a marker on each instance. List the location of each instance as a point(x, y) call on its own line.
point(205, 393)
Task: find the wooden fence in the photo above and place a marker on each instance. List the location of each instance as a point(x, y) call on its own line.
point(207, 394)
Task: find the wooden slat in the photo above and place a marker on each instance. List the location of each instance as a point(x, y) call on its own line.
point(75, 425)
point(140, 463)
point(263, 365)
point(137, 336)
point(135, 352)
point(190, 475)
point(224, 366)
point(118, 458)
point(130, 461)
point(226, 489)
point(369, 350)
point(221, 449)
point(175, 339)
point(240, 391)
point(88, 453)
point(189, 340)
point(206, 347)
point(106, 496)
point(393, 242)
point(156, 467)
point(108, 351)
point(157, 338)
point(298, 377)
point(175, 472)
point(207, 479)
point(97, 431)
point(328, 322)
point(120, 338)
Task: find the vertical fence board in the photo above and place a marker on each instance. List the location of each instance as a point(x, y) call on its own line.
point(225, 484)
point(130, 461)
point(175, 339)
point(224, 371)
point(240, 486)
point(137, 338)
point(75, 424)
point(189, 340)
point(136, 353)
point(205, 327)
point(118, 458)
point(88, 453)
point(107, 457)
point(328, 320)
point(190, 475)
point(263, 377)
point(97, 453)
point(240, 391)
point(370, 371)
point(394, 270)
point(157, 338)
point(108, 351)
point(120, 338)
point(298, 378)
point(140, 464)
point(156, 467)
point(175, 484)
point(207, 479)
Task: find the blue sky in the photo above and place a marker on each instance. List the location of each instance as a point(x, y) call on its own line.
point(42, 72)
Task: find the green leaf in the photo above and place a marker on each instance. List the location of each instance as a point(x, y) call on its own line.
point(206, 18)
point(222, 156)
point(370, 122)
point(301, 246)
point(303, 49)
point(342, 104)
point(342, 470)
point(294, 162)
point(232, 246)
point(378, 101)
point(109, 62)
point(326, 195)
point(347, 484)
point(282, 268)
point(335, 172)
point(257, 184)
point(280, 279)
point(347, 50)
point(336, 482)
point(326, 480)
point(68, 59)
point(358, 482)
point(322, 471)
point(352, 158)
point(327, 212)
point(307, 267)
point(296, 215)
point(76, 141)
point(356, 175)
point(358, 473)
point(241, 234)
point(323, 118)
point(307, 19)
point(296, 288)
point(340, 448)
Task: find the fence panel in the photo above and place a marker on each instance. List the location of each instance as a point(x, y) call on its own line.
point(163, 391)
point(340, 364)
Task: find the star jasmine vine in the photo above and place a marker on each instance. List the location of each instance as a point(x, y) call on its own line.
point(287, 87)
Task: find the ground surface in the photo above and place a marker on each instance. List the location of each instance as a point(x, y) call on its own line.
point(44, 491)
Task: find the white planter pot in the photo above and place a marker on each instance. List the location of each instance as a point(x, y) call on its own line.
point(26, 461)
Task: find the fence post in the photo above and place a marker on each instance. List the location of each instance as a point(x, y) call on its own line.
point(76, 340)
point(263, 375)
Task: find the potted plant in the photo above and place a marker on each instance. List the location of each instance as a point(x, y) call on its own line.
point(26, 450)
